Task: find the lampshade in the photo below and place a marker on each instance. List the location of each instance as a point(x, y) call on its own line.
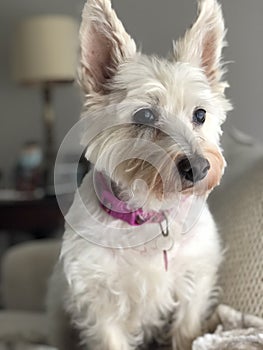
point(45, 49)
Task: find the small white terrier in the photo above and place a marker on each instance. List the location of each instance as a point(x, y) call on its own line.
point(140, 262)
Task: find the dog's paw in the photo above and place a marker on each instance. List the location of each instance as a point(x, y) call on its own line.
point(180, 342)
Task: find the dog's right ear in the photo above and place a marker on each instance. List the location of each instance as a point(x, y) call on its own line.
point(203, 43)
point(104, 45)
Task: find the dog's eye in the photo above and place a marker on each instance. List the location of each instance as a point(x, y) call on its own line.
point(199, 116)
point(145, 116)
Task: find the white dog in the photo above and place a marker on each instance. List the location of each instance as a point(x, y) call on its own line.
point(141, 252)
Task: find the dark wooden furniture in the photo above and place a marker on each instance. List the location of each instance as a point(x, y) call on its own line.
point(40, 216)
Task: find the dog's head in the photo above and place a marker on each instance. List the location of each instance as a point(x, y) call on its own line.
point(155, 123)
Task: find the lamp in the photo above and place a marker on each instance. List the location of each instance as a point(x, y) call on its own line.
point(44, 54)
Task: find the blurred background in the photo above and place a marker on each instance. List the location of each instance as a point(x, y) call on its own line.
point(40, 101)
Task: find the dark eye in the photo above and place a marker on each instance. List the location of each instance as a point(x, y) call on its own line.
point(199, 116)
point(145, 116)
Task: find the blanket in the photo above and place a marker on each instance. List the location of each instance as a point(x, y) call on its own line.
point(235, 331)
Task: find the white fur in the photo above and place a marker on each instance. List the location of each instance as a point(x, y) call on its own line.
point(115, 299)
point(113, 295)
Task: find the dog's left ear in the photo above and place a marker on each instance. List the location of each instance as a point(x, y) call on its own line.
point(203, 43)
point(104, 45)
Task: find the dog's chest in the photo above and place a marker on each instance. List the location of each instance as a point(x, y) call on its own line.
point(149, 287)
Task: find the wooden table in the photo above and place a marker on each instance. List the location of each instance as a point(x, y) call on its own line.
point(39, 216)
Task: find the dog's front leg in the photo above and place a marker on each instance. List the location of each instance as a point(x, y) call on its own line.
point(100, 324)
point(109, 336)
point(193, 312)
point(181, 341)
point(183, 334)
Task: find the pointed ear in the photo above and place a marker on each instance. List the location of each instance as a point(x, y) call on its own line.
point(104, 45)
point(202, 44)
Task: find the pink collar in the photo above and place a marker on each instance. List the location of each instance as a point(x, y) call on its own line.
point(119, 209)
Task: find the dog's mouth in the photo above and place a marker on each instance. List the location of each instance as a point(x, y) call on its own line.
point(135, 177)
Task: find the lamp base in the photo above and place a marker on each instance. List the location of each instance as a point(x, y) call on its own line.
point(49, 141)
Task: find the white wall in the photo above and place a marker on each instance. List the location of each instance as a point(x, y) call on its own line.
point(153, 23)
point(245, 36)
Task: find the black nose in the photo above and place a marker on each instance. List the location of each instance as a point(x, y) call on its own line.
point(194, 168)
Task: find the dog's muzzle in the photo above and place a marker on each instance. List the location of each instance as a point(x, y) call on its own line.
point(194, 168)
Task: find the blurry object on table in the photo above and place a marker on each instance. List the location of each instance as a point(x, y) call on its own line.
point(29, 170)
